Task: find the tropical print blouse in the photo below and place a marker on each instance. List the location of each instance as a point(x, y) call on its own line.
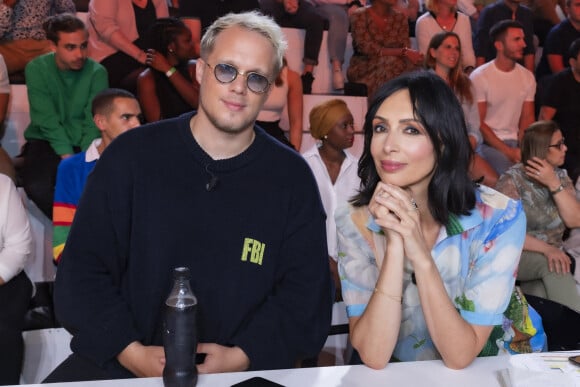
point(477, 256)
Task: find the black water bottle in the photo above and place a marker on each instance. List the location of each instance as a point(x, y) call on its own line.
point(180, 333)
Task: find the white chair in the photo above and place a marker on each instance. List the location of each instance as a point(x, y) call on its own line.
point(44, 349)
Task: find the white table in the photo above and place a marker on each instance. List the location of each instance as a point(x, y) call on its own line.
point(484, 372)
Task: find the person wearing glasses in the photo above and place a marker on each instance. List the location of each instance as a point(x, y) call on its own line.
point(549, 200)
point(202, 190)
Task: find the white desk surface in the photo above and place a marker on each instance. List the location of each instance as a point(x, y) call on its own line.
point(484, 372)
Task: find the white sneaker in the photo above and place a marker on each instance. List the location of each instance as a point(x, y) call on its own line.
point(337, 80)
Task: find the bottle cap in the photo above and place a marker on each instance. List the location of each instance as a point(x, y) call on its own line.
point(181, 273)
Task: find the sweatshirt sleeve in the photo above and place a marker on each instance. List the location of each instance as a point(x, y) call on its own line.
point(88, 300)
point(294, 321)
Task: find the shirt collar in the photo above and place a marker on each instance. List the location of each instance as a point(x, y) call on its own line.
point(92, 153)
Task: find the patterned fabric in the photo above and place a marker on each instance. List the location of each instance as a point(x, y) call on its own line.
point(477, 257)
point(543, 219)
point(70, 182)
point(369, 36)
point(24, 21)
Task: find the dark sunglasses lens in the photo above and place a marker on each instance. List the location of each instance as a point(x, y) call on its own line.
point(225, 73)
point(257, 82)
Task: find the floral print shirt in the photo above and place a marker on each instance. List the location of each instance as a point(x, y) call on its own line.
point(542, 214)
point(477, 256)
point(24, 21)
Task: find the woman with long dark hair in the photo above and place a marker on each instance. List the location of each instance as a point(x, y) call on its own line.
point(426, 258)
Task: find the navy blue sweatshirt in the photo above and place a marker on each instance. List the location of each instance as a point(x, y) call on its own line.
point(255, 244)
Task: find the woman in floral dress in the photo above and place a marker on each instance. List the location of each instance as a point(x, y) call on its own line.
point(380, 38)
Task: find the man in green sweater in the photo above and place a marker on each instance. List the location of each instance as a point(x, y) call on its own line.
point(61, 86)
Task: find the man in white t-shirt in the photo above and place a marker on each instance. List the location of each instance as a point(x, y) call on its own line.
point(505, 93)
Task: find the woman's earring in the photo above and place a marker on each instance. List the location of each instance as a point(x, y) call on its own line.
point(171, 51)
point(325, 137)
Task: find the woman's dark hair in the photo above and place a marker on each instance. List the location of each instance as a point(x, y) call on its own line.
point(438, 110)
point(537, 138)
point(163, 32)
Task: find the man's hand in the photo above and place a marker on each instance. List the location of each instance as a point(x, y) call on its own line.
point(222, 359)
point(157, 61)
point(143, 361)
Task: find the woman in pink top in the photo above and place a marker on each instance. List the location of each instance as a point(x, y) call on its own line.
point(117, 29)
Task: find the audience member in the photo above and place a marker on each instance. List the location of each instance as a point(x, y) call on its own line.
point(380, 39)
point(22, 37)
point(198, 15)
point(61, 86)
point(206, 12)
point(117, 31)
point(555, 56)
point(114, 112)
point(337, 12)
point(443, 16)
point(15, 287)
point(300, 14)
point(504, 92)
point(544, 16)
point(168, 87)
point(423, 254)
point(285, 92)
point(163, 196)
point(334, 168)
point(561, 105)
point(549, 200)
point(444, 58)
point(492, 14)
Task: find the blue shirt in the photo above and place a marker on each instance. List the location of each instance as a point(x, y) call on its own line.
point(477, 257)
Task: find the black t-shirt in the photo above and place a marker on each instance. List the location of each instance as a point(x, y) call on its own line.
point(563, 95)
point(557, 42)
point(209, 11)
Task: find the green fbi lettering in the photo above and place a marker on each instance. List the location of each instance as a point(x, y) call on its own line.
point(254, 249)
